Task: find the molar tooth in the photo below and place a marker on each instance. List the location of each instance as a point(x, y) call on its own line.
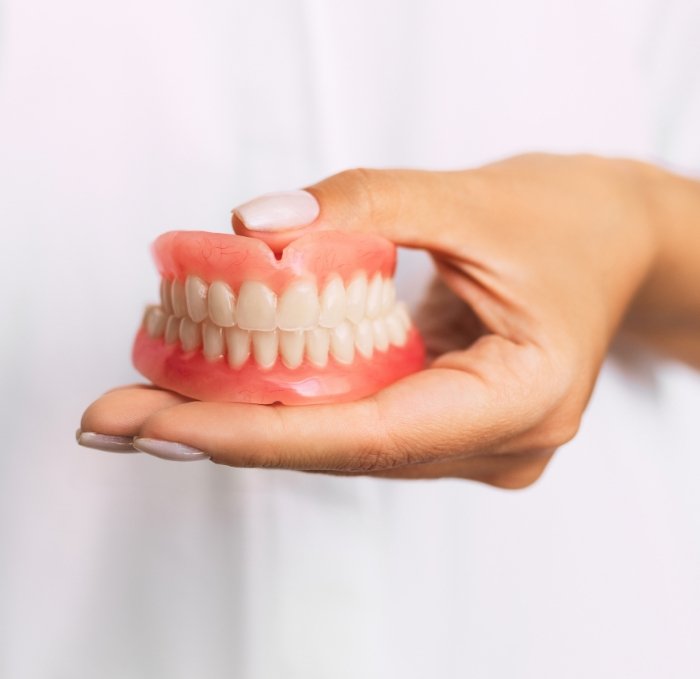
point(166, 296)
point(374, 297)
point(364, 338)
point(298, 307)
point(213, 337)
point(222, 304)
point(256, 306)
point(381, 336)
point(342, 343)
point(237, 346)
point(388, 296)
point(155, 321)
point(292, 347)
point(395, 329)
point(265, 345)
point(177, 292)
point(172, 330)
point(356, 297)
point(196, 298)
point(317, 343)
point(190, 334)
point(332, 303)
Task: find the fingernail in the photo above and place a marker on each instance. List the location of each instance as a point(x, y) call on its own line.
point(278, 211)
point(110, 444)
point(169, 450)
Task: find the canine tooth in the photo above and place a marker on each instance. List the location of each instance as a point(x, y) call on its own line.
point(155, 321)
point(298, 307)
point(343, 343)
point(332, 303)
point(265, 345)
point(292, 347)
point(388, 296)
point(317, 343)
point(213, 337)
point(196, 298)
point(256, 306)
point(401, 310)
point(165, 296)
point(381, 336)
point(237, 346)
point(374, 297)
point(395, 329)
point(190, 334)
point(356, 296)
point(222, 304)
point(172, 330)
point(364, 338)
point(177, 293)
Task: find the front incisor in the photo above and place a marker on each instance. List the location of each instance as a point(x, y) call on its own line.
point(256, 307)
point(265, 346)
point(298, 307)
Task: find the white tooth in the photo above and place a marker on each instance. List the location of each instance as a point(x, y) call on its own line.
point(172, 330)
point(196, 298)
point(265, 348)
point(298, 307)
point(381, 336)
point(395, 329)
point(343, 343)
point(364, 338)
point(222, 304)
point(190, 334)
point(177, 293)
point(292, 347)
point(356, 297)
point(374, 297)
point(317, 343)
point(155, 321)
point(256, 306)
point(401, 310)
point(332, 303)
point(165, 296)
point(388, 296)
point(213, 337)
point(237, 346)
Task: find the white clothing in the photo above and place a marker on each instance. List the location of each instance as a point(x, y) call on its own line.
point(121, 120)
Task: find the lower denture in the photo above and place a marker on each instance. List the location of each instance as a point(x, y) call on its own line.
point(241, 325)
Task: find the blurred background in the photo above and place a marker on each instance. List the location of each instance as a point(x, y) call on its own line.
point(122, 120)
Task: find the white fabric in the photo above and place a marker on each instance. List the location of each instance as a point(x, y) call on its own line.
point(121, 120)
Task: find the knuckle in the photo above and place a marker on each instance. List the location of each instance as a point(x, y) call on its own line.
point(371, 190)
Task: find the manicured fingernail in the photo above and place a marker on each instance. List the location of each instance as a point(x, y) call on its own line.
point(110, 444)
point(169, 450)
point(278, 211)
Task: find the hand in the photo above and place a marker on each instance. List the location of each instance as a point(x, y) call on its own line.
point(539, 258)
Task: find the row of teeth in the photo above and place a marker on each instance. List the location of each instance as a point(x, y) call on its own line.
point(289, 346)
point(256, 307)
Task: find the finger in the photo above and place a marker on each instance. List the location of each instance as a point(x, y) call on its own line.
point(122, 412)
point(401, 205)
point(429, 416)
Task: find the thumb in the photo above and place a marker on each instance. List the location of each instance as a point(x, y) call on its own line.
point(411, 208)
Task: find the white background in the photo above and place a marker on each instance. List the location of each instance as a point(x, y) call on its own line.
point(121, 120)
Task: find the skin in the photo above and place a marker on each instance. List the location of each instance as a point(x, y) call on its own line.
point(542, 261)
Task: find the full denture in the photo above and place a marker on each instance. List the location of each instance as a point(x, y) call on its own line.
point(235, 323)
